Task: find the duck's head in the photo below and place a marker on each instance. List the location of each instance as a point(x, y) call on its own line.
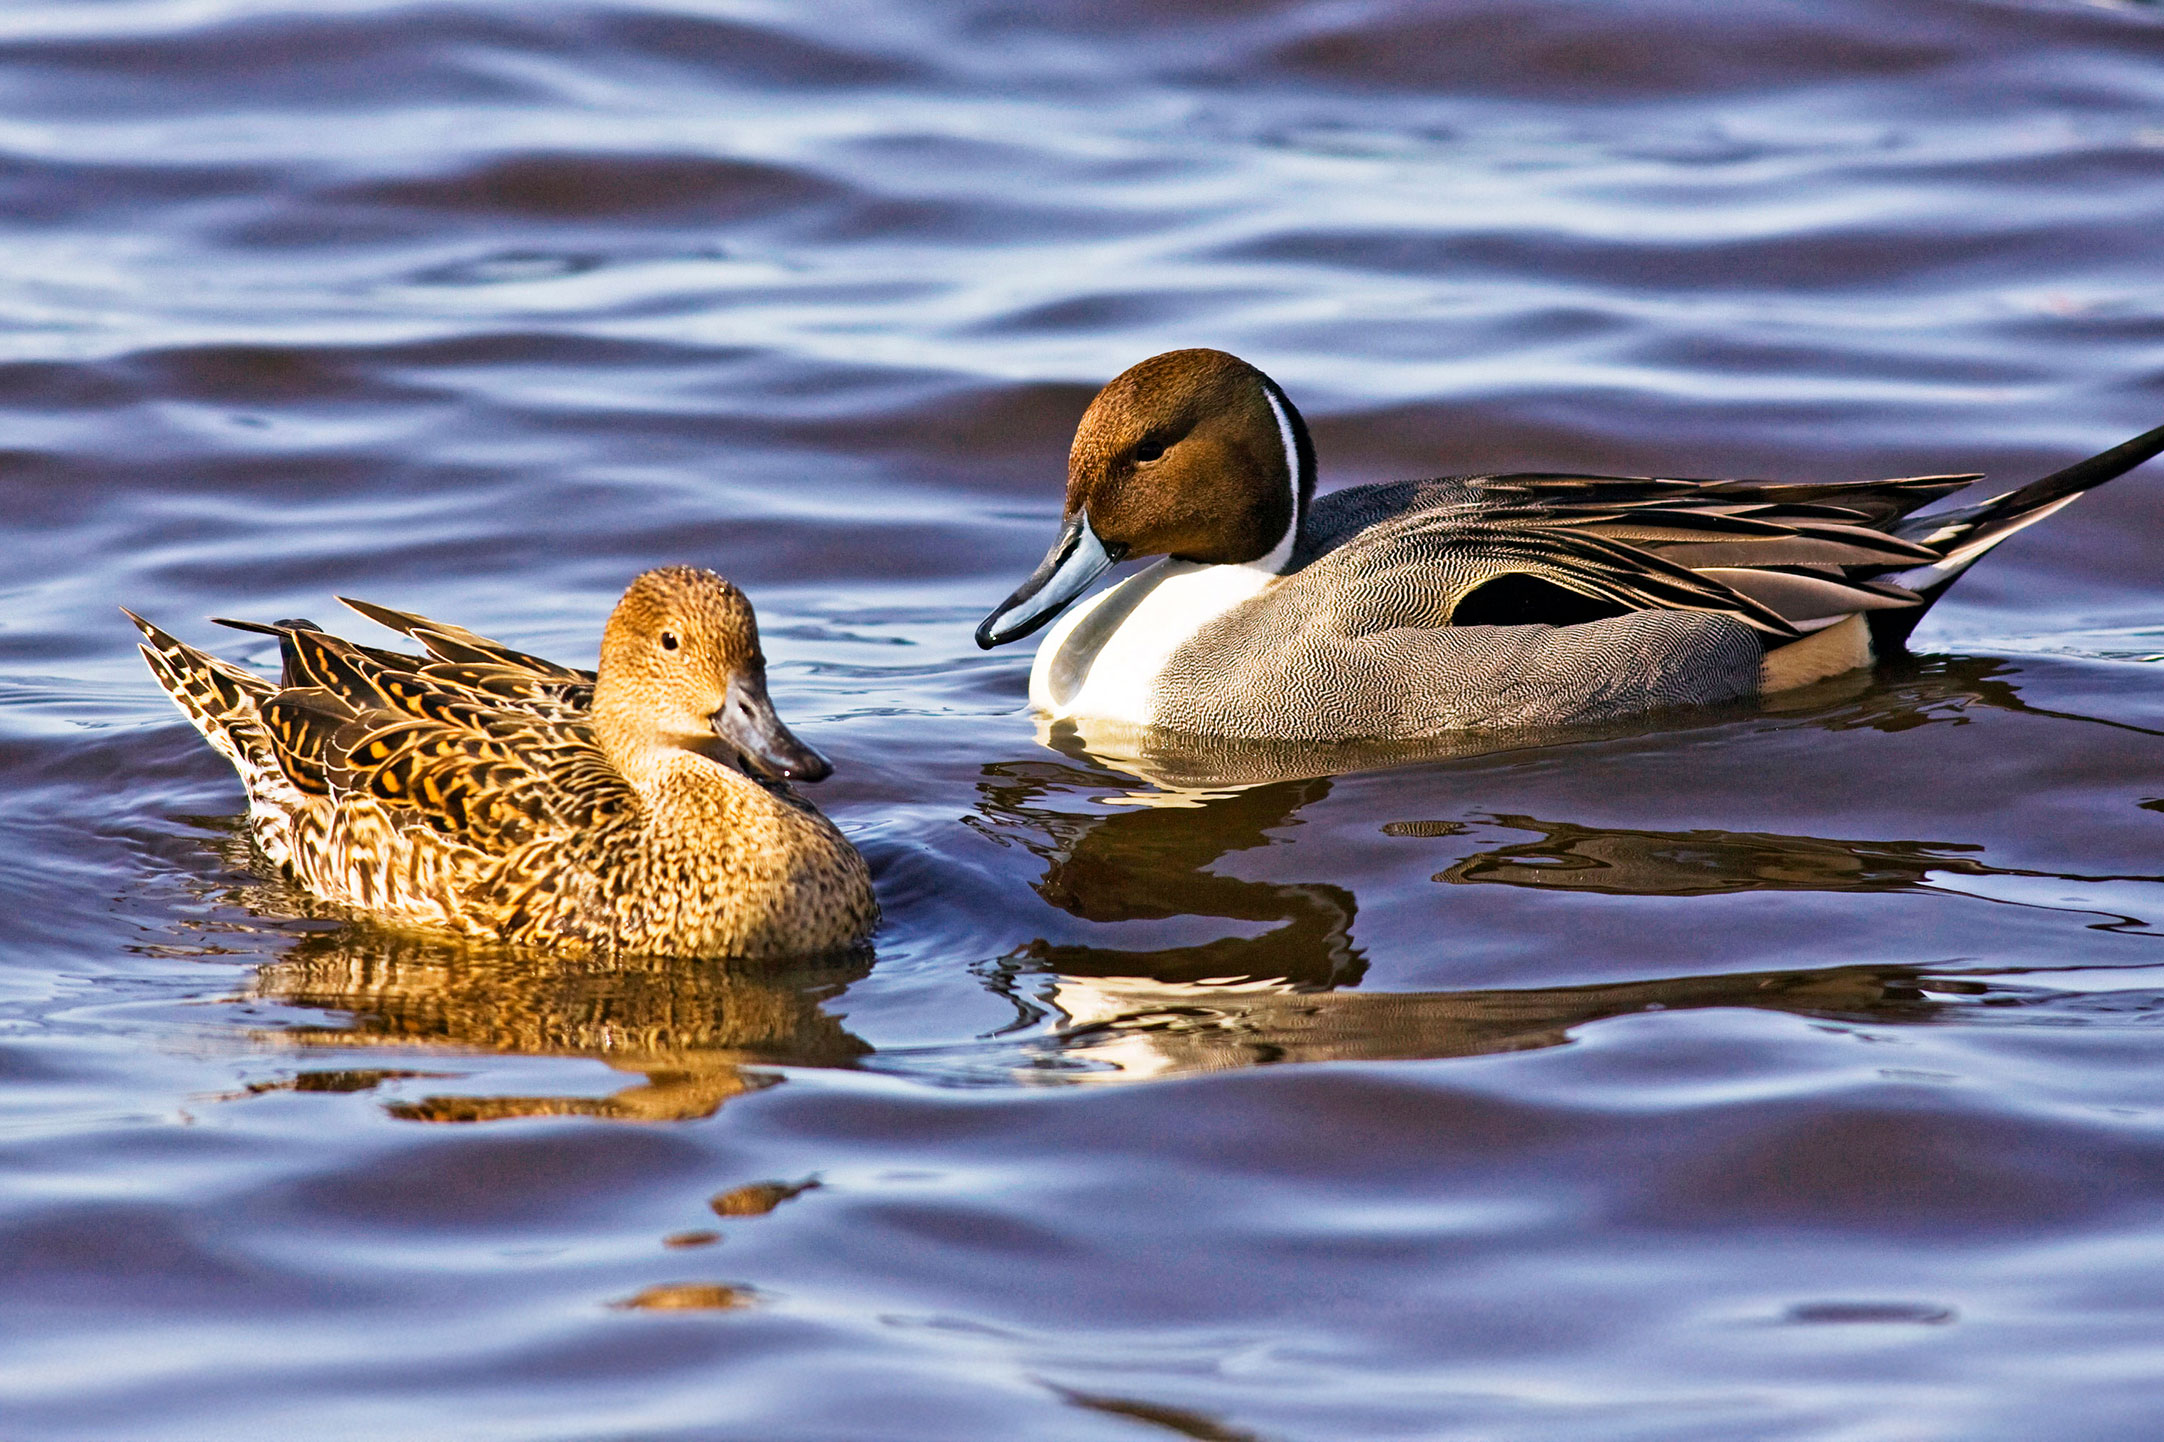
point(1193, 454)
point(681, 669)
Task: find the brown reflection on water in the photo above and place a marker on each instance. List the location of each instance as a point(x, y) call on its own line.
point(758, 1199)
point(1282, 995)
point(1147, 1029)
point(1150, 861)
point(690, 1028)
point(689, 1297)
point(1619, 862)
point(1910, 691)
point(1178, 1421)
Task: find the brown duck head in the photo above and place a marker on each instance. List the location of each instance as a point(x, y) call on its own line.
point(1192, 454)
point(681, 668)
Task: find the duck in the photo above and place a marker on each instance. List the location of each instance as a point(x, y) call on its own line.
point(473, 788)
point(1418, 609)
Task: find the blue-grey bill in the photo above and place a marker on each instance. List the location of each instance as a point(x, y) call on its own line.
point(1077, 558)
point(746, 723)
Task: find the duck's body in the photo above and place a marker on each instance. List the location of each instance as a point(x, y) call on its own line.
point(482, 790)
point(1356, 643)
point(1409, 609)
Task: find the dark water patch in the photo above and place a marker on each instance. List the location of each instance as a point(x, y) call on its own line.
point(361, 1079)
point(1854, 1314)
point(717, 51)
point(134, 1256)
point(1715, 353)
point(481, 1181)
point(1112, 311)
point(316, 228)
point(1836, 260)
point(263, 376)
point(512, 347)
point(569, 186)
point(1153, 1020)
point(1706, 862)
point(1903, 1170)
point(296, 61)
point(1582, 51)
point(984, 436)
point(58, 385)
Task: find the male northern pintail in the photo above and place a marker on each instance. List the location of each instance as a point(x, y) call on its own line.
point(1415, 608)
point(487, 791)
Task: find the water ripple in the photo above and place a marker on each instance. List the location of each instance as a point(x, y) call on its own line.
point(1779, 1074)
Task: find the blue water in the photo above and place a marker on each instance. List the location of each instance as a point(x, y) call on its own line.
point(1788, 1074)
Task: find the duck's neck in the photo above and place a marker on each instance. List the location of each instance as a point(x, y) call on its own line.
point(680, 777)
point(624, 732)
point(1280, 555)
point(653, 765)
point(1299, 455)
point(687, 799)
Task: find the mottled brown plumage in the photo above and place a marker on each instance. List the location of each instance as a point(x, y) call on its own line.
point(486, 791)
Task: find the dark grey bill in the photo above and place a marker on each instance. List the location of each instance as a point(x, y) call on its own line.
point(1076, 559)
point(746, 721)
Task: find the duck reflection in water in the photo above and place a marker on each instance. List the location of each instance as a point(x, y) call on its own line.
point(691, 1028)
point(1899, 696)
point(1150, 862)
point(698, 1031)
point(1276, 995)
point(1615, 862)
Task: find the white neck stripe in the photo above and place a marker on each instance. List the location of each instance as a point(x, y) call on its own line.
point(1282, 551)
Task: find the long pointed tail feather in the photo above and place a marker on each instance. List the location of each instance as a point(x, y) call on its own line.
point(1963, 537)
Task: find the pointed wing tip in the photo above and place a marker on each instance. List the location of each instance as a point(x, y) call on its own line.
point(280, 629)
point(382, 615)
point(256, 626)
point(155, 634)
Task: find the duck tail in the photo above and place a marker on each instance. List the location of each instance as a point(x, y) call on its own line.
point(220, 699)
point(1963, 537)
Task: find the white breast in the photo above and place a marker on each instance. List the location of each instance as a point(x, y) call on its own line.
point(1102, 661)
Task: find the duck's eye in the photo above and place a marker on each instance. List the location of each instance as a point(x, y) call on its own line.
point(1148, 451)
point(668, 641)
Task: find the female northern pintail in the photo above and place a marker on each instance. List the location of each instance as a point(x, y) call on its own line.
point(491, 792)
point(1415, 608)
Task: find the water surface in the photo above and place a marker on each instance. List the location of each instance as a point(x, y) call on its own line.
point(1786, 1073)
